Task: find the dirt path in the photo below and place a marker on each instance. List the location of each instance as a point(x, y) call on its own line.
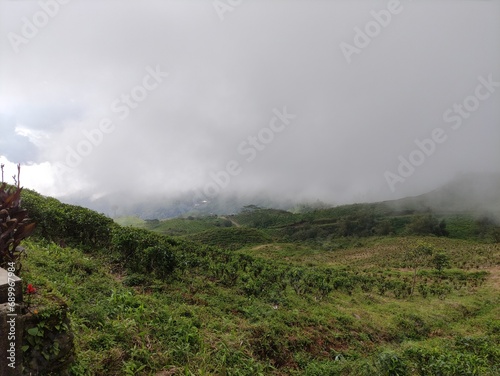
point(232, 221)
point(257, 247)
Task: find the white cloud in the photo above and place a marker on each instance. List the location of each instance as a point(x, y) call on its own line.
point(224, 80)
point(36, 137)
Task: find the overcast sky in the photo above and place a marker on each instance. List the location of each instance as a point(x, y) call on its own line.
point(170, 96)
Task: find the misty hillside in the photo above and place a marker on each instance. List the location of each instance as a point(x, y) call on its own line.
point(475, 194)
point(478, 194)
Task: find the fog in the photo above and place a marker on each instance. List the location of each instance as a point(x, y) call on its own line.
point(299, 100)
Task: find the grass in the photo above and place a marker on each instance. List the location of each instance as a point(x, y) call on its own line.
point(197, 322)
point(378, 252)
point(231, 238)
point(177, 226)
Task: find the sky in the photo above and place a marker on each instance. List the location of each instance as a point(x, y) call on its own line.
point(341, 101)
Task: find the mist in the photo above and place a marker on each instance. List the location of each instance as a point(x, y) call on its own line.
point(289, 101)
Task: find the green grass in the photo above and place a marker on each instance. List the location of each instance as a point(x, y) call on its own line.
point(378, 252)
point(200, 323)
point(180, 226)
point(230, 238)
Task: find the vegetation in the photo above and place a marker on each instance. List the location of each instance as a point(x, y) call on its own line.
point(67, 224)
point(344, 291)
point(231, 238)
point(177, 226)
point(14, 224)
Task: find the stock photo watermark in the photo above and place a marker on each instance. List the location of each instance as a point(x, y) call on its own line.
point(455, 116)
point(248, 148)
point(223, 6)
point(363, 37)
point(11, 316)
point(121, 106)
point(31, 26)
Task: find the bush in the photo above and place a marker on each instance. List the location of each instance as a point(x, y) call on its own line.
point(67, 224)
point(135, 279)
point(160, 260)
point(142, 251)
point(322, 368)
point(449, 362)
point(412, 326)
point(426, 225)
point(391, 364)
point(14, 227)
point(441, 261)
point(231, 237)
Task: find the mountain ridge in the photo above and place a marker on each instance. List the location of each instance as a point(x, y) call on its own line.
point(475, 193)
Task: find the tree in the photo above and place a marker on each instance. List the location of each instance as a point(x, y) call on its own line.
point(425, 225)
point(418, 257)
point(250, 208)
point(441, 261)
point(383, 228)
point(487, 229)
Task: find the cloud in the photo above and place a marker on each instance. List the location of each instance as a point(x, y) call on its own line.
point(15, 145)
point(226, 78)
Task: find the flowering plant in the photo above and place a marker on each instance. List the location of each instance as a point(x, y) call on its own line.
point(30, 289)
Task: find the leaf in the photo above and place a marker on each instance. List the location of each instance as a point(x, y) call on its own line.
point(25, 348)
point(26, 230)
point(8, 228)
point(13, 199)
point(33, 331)
point(20, 215)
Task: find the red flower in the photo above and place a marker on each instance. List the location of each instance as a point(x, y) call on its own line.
point(30, 289)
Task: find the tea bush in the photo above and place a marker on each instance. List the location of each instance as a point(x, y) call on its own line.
point(68, 224)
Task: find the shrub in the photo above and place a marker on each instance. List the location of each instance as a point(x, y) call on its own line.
point(135, 279)
point(269, 343)
point(412, 326)
point(231, 237)
point(143, 251)
point(441, 261)
point(391, 364)
point(448, 362)
point(160, 260)
point(426, 225)
point(322, 368)
point(68, 224)
point(14, 226)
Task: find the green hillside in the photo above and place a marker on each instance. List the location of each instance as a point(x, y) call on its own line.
point(323, 225)
point(231, 238)
point(255, 298)
point(177, 226)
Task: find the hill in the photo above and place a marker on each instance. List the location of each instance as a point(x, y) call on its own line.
point(232, 238)
point(472, 193)
point(476, 194)
point(468, 207)
point(247, 299)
